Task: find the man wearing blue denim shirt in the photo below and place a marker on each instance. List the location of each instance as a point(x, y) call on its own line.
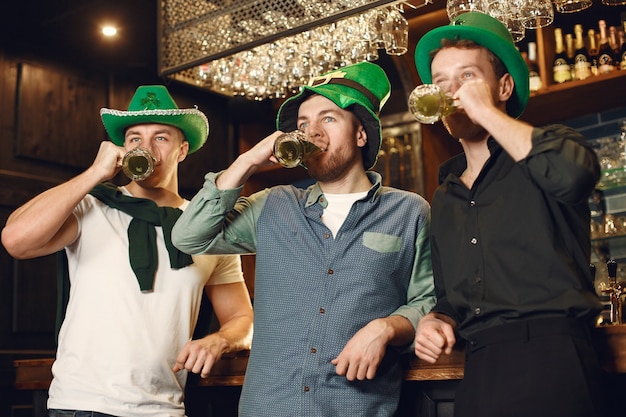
point(343, 270)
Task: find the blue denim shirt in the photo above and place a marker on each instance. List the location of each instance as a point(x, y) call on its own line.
point(313, 292)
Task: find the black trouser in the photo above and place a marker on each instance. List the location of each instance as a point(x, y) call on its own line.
point(534, 368)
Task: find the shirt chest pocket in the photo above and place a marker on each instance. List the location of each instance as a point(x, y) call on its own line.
point(381, 242)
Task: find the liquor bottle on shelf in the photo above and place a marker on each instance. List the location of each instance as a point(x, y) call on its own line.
point(569, 52)
point(613, 41)
point(592, 51)
point(560, 65)
point(622, 51)
point(605, 52)
point(534, 80)
point(582, 63)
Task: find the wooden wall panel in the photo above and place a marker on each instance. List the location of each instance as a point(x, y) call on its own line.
point(57, 116)
point(27, 299)
point(6, 290)
point(34, 295)
point(8, 74)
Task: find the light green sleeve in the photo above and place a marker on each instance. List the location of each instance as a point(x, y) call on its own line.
point(421, 291)
point(219, 221)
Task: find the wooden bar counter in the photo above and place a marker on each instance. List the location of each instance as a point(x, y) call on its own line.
point(437, 380)
point(36, 374)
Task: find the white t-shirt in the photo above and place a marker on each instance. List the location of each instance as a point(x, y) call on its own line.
point(117, 345)
point(337, 210)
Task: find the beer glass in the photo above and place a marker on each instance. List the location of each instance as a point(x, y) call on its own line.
point(138, 164)
point(395, 33)
point(428, 103)
point(457, 7)
point(510, 14)
point(293, 148)
point(537, 13)
point(571, 6)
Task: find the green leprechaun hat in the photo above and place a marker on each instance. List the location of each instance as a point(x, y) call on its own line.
point(154, 104)
point(363, 86)
point(485, 31)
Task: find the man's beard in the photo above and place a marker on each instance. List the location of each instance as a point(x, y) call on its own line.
point(333, 167)
point(461, 127)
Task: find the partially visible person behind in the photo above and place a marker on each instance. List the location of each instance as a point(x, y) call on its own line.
point(510, 237)
point(343, 268)
point(124, 347)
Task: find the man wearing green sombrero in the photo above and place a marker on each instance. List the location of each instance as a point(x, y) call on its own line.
point(342, 267)
point(510, 237)
point(124, 345)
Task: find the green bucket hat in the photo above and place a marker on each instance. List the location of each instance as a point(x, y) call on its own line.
point(154, 104)
point(488, 32)
point(363, 86)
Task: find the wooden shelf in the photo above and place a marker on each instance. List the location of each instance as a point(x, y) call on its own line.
point(565, 101)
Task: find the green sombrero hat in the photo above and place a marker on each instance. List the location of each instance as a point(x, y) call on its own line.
point(154, 104)
point(364, 86)
point(488, 32)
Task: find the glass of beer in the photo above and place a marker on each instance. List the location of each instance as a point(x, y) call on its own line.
point(428, 103)
point(138, 164)
point(292, 149)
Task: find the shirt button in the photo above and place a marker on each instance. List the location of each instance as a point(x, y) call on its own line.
point(478, 280)
point(472, 203)
point(313, 350)
point(474, 241)
point(306, 389)
point(326, 235)
point(322, 311)
point(330, 272)
point(477, 311)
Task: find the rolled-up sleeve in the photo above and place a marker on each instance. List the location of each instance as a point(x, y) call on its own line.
point(562, 163)
point(421, 290)
point(219, 221)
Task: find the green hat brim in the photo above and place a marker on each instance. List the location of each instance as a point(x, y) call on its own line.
point(504, 48)
point(343, 97)
point(192, 122)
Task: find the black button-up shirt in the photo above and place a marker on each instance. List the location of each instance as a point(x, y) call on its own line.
point(516, 245)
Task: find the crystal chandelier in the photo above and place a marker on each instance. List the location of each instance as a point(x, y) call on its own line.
point(269, 48)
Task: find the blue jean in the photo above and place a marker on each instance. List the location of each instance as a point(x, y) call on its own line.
point(76, 413)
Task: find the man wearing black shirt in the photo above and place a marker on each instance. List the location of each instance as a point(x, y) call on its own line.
point(510, 237)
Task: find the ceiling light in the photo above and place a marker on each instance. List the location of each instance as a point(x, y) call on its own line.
point(109, 31)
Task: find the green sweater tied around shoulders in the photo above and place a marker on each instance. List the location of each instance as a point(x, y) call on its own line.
point(142, 247)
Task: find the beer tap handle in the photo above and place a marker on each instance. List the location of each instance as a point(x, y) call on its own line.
point(615, 314)
point(611, 267)
point(592, 271)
